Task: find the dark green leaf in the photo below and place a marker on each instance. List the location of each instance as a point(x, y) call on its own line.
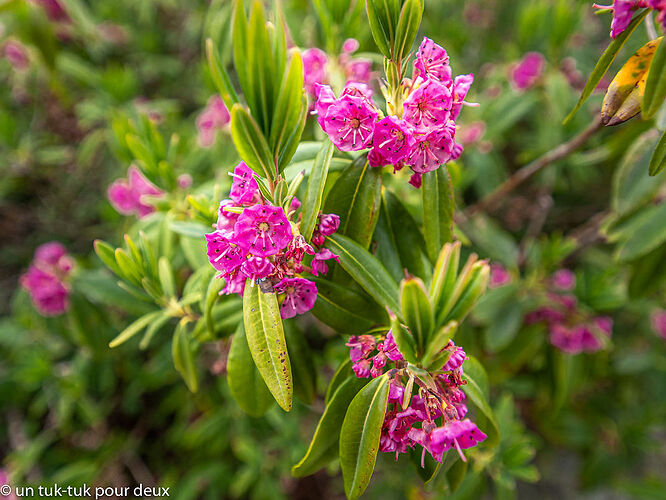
point(476, 389)
point(655, 86)
point(250, 142)
point(438, 207)
point(302, 364)
point(658, 160)
point(183, 356)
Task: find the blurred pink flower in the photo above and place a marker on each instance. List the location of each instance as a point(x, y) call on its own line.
point(214, 117)
point(526, 73)
point(46, 279)
point(17, 55)
point(127, 195)
point(658, 320)
point(563, 279)
point(499, 276)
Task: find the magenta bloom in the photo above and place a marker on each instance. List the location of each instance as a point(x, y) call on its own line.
point(360, 346)
point(393, 139)
point(224, 255)
point(244, 187)
point(429, 106)
point(314, 68)
point(459, 434)
point(127, 196)
point(350, 123)
point(235, 284)
point(318, 262)
point(430, 151)
point(263, 229)
point(325, 99)
point(564, 280)
point(54, 9)
point(461, 86)
point(257, 268)
point(391, 349)
point(456, 359)
point(499, 276)
point(623, 12)
point(214, 117)
point(17, 55)
point(300, 296)
point(350, 45)
point(432, 62)
point(472, 133)
point(359, 70)
point(328, 224)
point(526, 73)
point(46, 277)
point(226, 220)
point(4, 479)
point(658, 321)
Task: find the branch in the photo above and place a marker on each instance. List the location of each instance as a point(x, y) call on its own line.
point(521, 175)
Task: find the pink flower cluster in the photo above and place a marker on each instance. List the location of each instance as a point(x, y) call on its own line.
point(499, 276)
point(658, 320)
point(316, 67)
point(433, 419)
point(257, 241)
point(214, 117)
point(17, 55)
point(127, 195)
point(623, 12)
point(46, 279)
point(570, 330)
point(527, 71)
point(421, 137)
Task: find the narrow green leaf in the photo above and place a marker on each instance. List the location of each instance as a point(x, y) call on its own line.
point(438, 207)
point(655, 86)
point(476, 389)
point(129, 270)
point(265, 336)
point(432, 358)
point(239, 37)
point(166, 277)
point(106, 254)
point(220, 76)
point(343, 372)
point(183, 356)
point(647, 237)
point(367, 271)
point(135, 328)
point(360, 433)
point(417, 311)
point(324, 445)
point(445, 273)
point(356, 198)
point(379, 32)
point(261, 68)
point(302, 365)
point(315, 189)
point(408, 27)
point(152, 329)
point(245, 383)
point(658, 160)
point(188, 228)
point(473, 290)
point(344, 309)
point(605, 62)
point(403, 339)
point(250, 142)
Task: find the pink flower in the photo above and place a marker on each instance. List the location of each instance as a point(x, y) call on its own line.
point(416, 180)
point(16, 54)
point(391, 349)
point(461, 86)
point(325, 99)
point(623, 12)
point(359, 70)
point(472, 133)
point(50, 254)
point(263, 229)
point(658, 321)
point(224, 255)
point(314, 68)
point(362, 368)
point(456, 359)
point(235, 284)
point(244, 187)
point(127, 196)
point(526, 73)
point(299, 296)
point(499, 276)
point(660, 7)
point(431, 151)
point(318, 265)
point(328, 224)
point(393, 139)
point(350, 123)
point(350, 46)
point(54, 9)
point(257, 268)
point(564, 280)
point(226, 220)
point(429, 106)
point(295, 204)
point(4, 479)
point(214, 117)
point(361, 346)
point(432, 62)
point(184, 181)
point(457, 434)
point(48, 293)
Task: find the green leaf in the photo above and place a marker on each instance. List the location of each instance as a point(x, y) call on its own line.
point(324, 445)
point(417, 311)
point(430, 467)
point(356, 198)
point(632, 187)
point(605, 62)
point(190, 229)
point(647, 237)
point(343, 372)
point(456, 474)
point(245, 383)
point(359, 436)
point(403, 339)
point(183, 356)
point(366, 270)
point(265, 336)
point(658, 160)
point(128, 268)
point(106, 254)
point(344, 309)
point(315, 189)
point(438, 208)
point(152, 329)
point(261, 68)
point(250, 142)
point(655, 86)
point(445, 273)
point(476, 389)
point(135, 328)
point(220, 76)
point(166, 277)
point(240, 42)
point(380, 32)
point(408, 27)
point(302, 365)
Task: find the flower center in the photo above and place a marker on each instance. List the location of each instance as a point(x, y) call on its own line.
point(354, 123)
point(290, 290)
point(263, 226)
point(423, 105)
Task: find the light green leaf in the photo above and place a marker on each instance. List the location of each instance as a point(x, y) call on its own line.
point(220, 76)
point(655, 86)
point(417, 311)
point(166, 277)
point(315, 189)
point(135, 328)
point(265, 336)
point(658, 160)
point(183, 356)
point(438, 207)
point(250, 142)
